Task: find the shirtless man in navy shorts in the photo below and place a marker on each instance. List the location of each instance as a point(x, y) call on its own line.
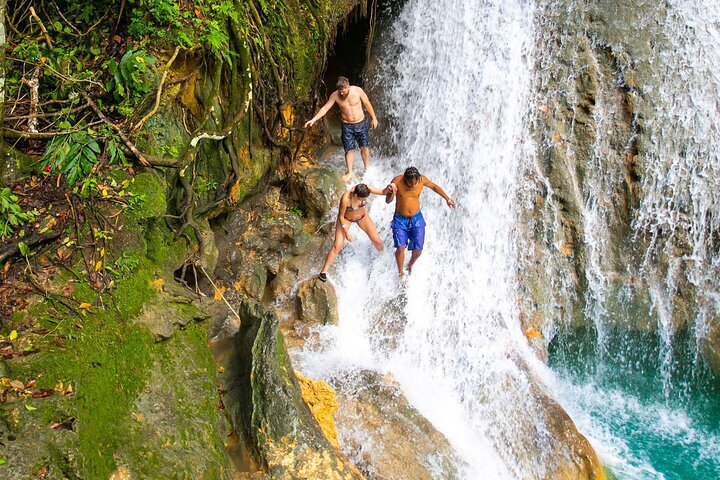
point(350, 99)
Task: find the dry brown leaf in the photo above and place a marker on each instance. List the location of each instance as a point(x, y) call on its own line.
point(17, 384)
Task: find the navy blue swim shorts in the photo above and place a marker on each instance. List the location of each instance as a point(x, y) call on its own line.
point(355, 135)
point(408, 232)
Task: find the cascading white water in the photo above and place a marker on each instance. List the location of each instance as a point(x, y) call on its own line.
point(455, 77)
point(651, 421)
point(681, 204)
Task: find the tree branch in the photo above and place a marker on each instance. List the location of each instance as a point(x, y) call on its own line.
point(10, 133)
point(42, 27)
point(11, 249)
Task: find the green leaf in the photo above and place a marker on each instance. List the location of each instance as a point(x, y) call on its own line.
point(13, 335)
point(29, 407)
point(24, 250)
point(3, 461)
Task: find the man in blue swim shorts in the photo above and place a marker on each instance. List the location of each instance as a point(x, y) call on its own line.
point(350, 99)
point(408, 224)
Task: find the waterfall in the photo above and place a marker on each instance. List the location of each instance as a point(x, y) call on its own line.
point(681, 203)
point(462, 89)
point(454, 77)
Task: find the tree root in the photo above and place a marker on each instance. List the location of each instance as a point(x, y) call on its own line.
point(144, 160)
point(53, 297)
point(159, 92)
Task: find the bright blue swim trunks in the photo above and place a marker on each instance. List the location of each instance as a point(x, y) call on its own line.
point(355, 135)
point(408, 232)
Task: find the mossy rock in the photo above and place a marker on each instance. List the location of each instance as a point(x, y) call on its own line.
point(145, 407)
point(165, 314)
point(271, 420)
point(147, 197)
point(163, 134)
point(318, 190)
point(317, 303)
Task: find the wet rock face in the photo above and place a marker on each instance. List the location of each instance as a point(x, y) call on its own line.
point(317, 303)
point(319, 189)
point(711, 345)
point(385, 436)
point(272, 421)
point(269, 245)
point(573, 456)
point(260, 236)
point(598, 80)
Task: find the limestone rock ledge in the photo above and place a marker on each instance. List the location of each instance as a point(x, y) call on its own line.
point(323, 403)
point(385, 436)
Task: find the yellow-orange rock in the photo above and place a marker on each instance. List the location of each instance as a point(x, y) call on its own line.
point(323, 404)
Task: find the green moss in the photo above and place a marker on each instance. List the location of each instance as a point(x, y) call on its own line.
point(177, 412)
point(104, 362)
point(112, 365)
point(147, 197)
point(163, 135)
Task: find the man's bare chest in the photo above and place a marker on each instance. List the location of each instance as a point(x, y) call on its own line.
point(409, 193)
point(350, 102)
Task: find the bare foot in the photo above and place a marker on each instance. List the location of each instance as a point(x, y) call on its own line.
point(347, 177)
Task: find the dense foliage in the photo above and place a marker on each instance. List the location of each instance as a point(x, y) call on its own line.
point(84, 78)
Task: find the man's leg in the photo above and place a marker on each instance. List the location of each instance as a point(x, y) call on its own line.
point(413, 258)
point(362, 136)
point(365, 154)
point(349, 157)
point(349, 143)
point(400, 259)
point(417, 239)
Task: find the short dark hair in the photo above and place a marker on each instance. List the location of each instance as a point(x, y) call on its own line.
point(342, 82)
point(361, 190)
point(411, 173)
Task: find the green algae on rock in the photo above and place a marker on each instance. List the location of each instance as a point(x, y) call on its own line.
point(271, 420)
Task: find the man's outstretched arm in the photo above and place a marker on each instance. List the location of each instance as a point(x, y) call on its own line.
point(368, 106)
point(436, 188)
point(321, 113)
